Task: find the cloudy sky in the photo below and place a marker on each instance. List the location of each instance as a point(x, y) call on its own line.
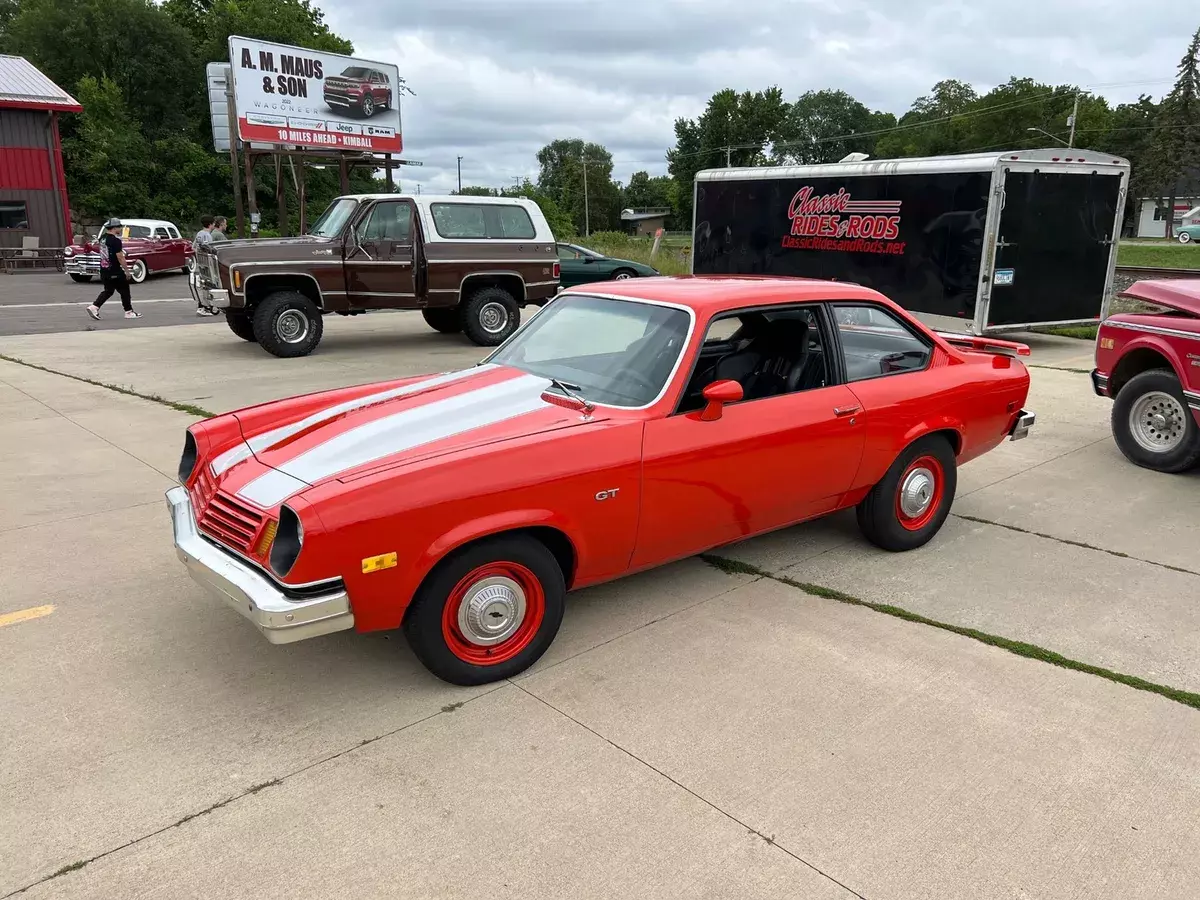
point(497, 79)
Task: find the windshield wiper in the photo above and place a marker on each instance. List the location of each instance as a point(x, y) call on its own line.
point(570, 390)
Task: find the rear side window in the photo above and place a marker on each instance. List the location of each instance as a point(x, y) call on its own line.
point(469, 221)
point(876, 343)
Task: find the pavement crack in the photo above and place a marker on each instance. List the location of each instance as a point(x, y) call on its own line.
point(1017, 648)
point(248, 792)
point(1072, 543)
point(769, 840)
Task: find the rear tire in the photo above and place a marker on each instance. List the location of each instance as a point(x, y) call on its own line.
point(287, 324)
point(444, 319)
point(1152, 424)
point(488, 611)
point(81, 279)
point(489, 316)
point(910, 504)
point(241, 323)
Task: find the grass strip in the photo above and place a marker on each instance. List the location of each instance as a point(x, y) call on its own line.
point(189, 408)
point(1018, 648)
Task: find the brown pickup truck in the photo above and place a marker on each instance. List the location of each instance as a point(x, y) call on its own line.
point(468, 263)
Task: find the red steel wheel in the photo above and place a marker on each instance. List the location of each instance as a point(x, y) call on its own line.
point(919, 495)
point(493, 613)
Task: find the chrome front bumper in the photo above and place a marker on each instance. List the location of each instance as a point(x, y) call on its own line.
point(82, 264)
point(281, 619)
point(1025, 421)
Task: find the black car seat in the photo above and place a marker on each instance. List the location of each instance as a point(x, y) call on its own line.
point(772, 363)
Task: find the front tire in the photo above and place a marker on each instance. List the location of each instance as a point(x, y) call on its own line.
point(1152, 424)
point(1184, 237)
point(624, 274)
point(489, 316)
point(80, 279)
point(443, 319)
point(287, 324)
point(138, 270)
point(910, 504)
point(488, 611)
point(241, 323)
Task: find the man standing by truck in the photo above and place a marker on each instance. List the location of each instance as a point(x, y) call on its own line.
point(204, 236)
point(114, 272)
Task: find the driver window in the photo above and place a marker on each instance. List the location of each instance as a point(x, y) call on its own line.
point(768, 352)
point(567, 253)
point(161, 233)
point(388, 221)
point(876, 343)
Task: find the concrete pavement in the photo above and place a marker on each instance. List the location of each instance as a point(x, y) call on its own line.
point(690, 733)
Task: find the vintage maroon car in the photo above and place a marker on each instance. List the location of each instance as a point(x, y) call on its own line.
point(1149, 363)
point(618, 430)
point(151, 245)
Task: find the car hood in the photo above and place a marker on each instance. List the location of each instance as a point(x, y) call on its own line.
point(437, 416)
point(1179, 294)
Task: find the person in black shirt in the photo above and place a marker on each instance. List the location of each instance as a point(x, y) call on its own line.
point(114, 273)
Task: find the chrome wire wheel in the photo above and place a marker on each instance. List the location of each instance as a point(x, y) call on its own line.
point(1157, 422)
point(292, 326)
point(493, 318)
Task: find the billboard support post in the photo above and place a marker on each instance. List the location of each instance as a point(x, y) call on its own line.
point(251, 194)
point(343, 176)
point(281, 198)
point(388, 159)
point(239, 211)
point(302, 198)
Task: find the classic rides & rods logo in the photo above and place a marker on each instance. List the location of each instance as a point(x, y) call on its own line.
point(838, 222)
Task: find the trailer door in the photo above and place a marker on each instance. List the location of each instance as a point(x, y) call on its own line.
point(1053, 247)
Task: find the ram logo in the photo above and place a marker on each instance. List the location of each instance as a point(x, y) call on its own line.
point(607, 495)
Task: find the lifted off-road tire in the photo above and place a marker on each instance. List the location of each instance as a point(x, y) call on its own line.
point(489, 316)
point(287, 324)
point(444, 319)
point(910, 504)
point(1152, 424)
point(241, 323)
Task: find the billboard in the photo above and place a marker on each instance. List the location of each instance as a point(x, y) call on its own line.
point(306, 98)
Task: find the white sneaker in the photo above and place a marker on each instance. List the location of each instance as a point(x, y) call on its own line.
point(133, 315)
point(94, 312)
point(201, 311)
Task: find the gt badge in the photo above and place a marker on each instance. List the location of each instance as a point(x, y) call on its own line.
point(607, 495)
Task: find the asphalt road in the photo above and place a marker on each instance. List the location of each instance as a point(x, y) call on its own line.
point(50, 302)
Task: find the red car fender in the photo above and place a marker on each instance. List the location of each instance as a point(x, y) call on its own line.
point(475, 529)
point(1143, 341)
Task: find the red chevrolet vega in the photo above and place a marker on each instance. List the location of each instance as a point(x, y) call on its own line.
point(618, 430)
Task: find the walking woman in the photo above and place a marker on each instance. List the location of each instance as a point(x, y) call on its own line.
point(114, 272)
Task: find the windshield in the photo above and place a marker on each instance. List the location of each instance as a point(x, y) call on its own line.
point(334, 218)
point(356, 72)
point(616, 352)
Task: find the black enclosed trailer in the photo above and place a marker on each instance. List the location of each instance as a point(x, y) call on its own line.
point(980, 242)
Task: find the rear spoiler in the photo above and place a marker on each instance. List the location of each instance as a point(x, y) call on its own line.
point(984, 344)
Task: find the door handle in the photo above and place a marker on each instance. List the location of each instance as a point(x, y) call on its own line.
point(842, 411)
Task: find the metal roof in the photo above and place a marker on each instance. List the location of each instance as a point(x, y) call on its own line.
point(22, 85)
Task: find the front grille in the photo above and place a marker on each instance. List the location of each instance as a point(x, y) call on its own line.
point(231, 522)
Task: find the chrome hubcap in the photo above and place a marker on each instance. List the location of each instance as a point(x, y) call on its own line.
point(624, 276)
point(292, 326)
point(1157, 422)
point(491, 611)
point(493, 318)
point(917, 492)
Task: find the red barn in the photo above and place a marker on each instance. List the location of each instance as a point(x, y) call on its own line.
point(33, 188)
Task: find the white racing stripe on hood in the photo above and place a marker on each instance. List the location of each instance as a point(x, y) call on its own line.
point(231, 458)
point(397, 433)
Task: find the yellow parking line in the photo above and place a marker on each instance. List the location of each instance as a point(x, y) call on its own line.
point(24, 615)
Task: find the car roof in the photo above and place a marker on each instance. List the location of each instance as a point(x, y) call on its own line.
point(439, 198)
point(149, 223)
point(714, 293)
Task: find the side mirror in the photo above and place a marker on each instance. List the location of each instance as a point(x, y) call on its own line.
point(588, 260)
point(718, 394)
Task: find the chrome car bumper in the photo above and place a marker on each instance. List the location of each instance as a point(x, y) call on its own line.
point(1025, 421)
point(1099, 383)
point(281, 619)
point(82, 264)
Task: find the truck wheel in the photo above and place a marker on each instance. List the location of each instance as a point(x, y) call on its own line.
point(287, 324)
point(443, 319)
point(488, 611)
point(241, 323)
point(82, 279)
point(489, 316)
point(908, 507)
point(1152, 424)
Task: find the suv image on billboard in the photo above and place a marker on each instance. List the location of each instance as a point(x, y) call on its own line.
point(467, 263)
point(359, 89)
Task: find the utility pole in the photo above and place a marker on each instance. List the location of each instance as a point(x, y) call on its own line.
point(1074, 117)
point(728, 163)
point(587, 224)
point(460, 174)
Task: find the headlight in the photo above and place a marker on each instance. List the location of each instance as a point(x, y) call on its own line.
point(289, 538)
point(187, 462)
point(68, 252)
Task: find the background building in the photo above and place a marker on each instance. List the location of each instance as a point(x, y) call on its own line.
point(33, 188)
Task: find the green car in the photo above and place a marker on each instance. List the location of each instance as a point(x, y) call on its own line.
point(581, 265)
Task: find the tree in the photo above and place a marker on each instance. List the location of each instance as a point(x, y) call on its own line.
point(818, 123)
point(561, 179)
point(476, 190)
point(558, 219)
point(108, 160)
point(1176, 143)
